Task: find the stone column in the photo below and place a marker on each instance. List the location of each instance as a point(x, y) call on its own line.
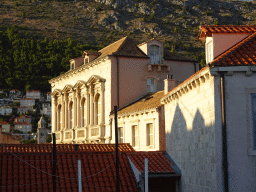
point(62, 112)
point(58, 117)
point(66, 110)
point(102, 104)
point(78, 96)
point(54, 114)
point(95, 106)
point(74, 109)
point(87, 97)
point(91, 107)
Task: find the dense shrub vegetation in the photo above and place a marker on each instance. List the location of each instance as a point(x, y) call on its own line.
point(27, 63)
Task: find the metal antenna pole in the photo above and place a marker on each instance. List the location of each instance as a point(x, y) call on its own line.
point(117, 153)
point(54, 162)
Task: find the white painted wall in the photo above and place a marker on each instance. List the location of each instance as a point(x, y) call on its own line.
point(241, 157)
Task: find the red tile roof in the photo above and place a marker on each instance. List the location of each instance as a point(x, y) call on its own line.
point(49, 92)
point(22, 107)
point(147, 102)
point(45, 148)
point(206, 30)
point(33, 172)
point(27, 99)
point(22, 123)
point(14, 90)
point(243, 53)
point(24, 116)
point(157, 161)
point(123, 47)
point(3, 123)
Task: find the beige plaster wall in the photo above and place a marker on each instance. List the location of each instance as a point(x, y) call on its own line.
point(141, 119)
point(221, 42)
point(133, 74)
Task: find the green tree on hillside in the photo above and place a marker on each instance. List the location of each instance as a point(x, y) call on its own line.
point(27, 64)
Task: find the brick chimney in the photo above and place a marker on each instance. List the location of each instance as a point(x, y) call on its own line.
point(169, 84)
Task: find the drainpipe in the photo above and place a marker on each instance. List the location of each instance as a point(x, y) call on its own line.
point(224, 133)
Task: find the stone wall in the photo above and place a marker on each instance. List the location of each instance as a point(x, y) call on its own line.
point(190, 133)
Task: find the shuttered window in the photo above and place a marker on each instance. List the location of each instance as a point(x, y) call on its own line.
point(135, 136)
point(253, 99)
point(154, 54)
point(120, 134)
point(150, 85)
point(150, 135)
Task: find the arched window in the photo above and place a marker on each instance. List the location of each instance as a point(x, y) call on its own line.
point(83, 112)
point(97, 109)
point(154, 53)
point(71, 115)
point(59, 118)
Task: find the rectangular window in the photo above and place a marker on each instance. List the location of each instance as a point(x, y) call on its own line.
point(120, 135)
point(135, 136)
point(150, 134)
point(253, 107)
point(150, 85)
point(154, 54)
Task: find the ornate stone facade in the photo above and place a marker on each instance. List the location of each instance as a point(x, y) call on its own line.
point(119, 74)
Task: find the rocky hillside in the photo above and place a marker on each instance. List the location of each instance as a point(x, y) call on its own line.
point(175, 22)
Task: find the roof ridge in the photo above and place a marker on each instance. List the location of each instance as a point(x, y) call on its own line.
point(234, 47)
point(123, 43)
point(113, 43)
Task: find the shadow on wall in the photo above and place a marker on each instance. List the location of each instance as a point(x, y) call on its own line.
point(193, 150)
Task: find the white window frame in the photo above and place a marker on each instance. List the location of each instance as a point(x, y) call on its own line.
point(148, 135)
point(135, 137)
point(120, 138)
point(155, 57)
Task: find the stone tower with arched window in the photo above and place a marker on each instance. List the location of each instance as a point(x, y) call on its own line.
point(41, 131)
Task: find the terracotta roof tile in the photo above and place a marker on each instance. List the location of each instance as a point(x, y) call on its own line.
point(147, 102)
point(243, 53)
point(97, 169)
point(206, 30)
point(228, 28)
point(123, 47)
point(3, 123)
point(22, 123)
point(27, 99)
point(157, 162)
point(24, 116)
point(124, 147)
